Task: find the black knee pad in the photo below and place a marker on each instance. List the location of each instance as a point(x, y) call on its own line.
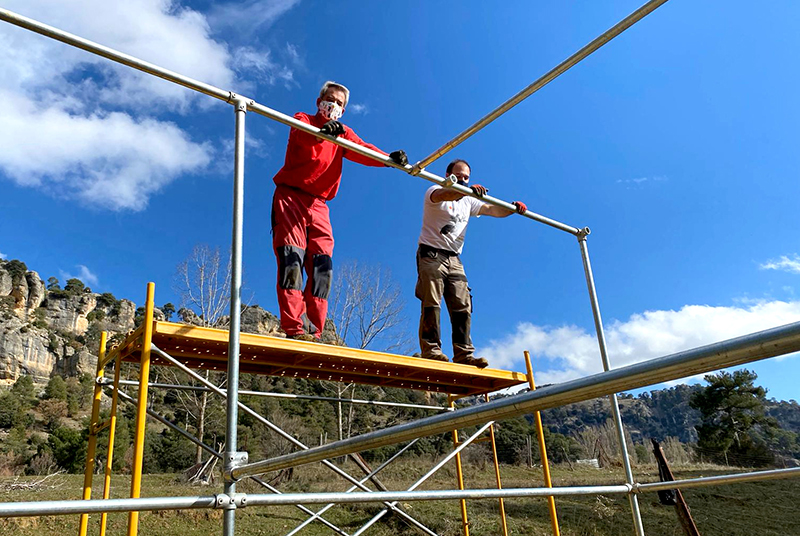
point(290, 267)
point(321, 276)
point(462, 324)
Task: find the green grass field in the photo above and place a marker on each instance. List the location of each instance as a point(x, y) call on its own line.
point(763, 508)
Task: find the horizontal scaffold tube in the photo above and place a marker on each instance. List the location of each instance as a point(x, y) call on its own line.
point(252, 105)
point(37, 508)
point(756, 476)
point(60, 508)
point(243, 392)
point(770, 343)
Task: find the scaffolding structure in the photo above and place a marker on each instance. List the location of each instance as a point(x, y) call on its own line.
point(190, 348)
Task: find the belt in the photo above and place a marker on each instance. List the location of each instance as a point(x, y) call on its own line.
point(425, 249)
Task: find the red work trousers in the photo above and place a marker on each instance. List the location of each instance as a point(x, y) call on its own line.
point(302, 237)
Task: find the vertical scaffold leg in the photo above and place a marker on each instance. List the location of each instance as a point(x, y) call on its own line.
point(141, 408)
point(459, 473)
point(111, 433)
point(503, 520)
point(92, 447)
point(551, 502)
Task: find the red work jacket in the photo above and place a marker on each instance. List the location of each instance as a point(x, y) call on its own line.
point(314, 165)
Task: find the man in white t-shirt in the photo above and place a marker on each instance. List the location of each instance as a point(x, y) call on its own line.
point(440, 273)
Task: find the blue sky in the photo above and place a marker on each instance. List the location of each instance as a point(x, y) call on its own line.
point(676, 144)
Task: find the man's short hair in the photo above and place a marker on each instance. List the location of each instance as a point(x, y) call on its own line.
point(331, 84)
point(452, 164)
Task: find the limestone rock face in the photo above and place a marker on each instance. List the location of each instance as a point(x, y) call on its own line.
point(68, 313)
point(56, 332)
point(37, 292)
point(24, 351)
point(5, 282)
point(257, 320)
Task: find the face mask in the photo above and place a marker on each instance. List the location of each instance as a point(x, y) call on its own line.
point(330, 110)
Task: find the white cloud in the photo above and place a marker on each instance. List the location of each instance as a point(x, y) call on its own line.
point(3, 256)
point(358, 109)
point(259, 65)
point(784, 264)
point(567, 352)
point(106, 160)
point(84, 274)
point(640, 181)
point(82, 127)
point(245, 18)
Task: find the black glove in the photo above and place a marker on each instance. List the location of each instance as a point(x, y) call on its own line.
point(332, 128)
point(479, 190)
point(399, 157)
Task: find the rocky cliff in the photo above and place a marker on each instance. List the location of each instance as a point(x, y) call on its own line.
point(46, 330)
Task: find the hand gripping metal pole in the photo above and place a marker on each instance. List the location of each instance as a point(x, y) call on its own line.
point(601, 341)
point(561, 68)
point(746, 349)
point(283, 434)
point(232, 458)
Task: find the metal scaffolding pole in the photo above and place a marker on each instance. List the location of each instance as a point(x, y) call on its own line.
point(746, 349)
point(551, 75)
point(232, 457)
point(41, 508)
point(141, 407)
point(285, 435)
point(756, 476)
point(244, 392)
point(253, 106)
point(601, 341)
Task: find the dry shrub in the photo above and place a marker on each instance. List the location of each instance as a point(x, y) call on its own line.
point(11, 464)
point(43, 464)
point(676, 452)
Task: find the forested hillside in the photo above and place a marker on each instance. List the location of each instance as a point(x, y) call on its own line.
point(48, 342)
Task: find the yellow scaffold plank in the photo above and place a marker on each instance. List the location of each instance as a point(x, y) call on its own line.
point(207, 348)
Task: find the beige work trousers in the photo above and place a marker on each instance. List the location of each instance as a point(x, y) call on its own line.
point(442, 276)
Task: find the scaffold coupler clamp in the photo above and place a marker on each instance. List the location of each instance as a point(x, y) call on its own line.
point(583, 233)
point(232, 461)
point(450, 180)
point(239, 101)
point(416, 169)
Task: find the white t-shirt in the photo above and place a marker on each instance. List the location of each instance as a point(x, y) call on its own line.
point(444, 224)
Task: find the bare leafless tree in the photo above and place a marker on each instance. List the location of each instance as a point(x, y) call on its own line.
point(203, 282)
point(367, 307)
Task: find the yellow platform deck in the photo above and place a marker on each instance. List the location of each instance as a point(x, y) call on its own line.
point(207, 348)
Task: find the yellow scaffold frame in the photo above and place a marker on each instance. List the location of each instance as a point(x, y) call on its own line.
point(205, 348)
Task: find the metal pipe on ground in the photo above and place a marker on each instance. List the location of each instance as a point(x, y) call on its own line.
point(753, 347)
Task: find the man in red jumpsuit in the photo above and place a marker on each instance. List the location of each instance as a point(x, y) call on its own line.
point(301, 230)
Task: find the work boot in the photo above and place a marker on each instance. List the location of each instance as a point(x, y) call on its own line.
point(303, 337)
point(479, 362)
point(435, 357)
